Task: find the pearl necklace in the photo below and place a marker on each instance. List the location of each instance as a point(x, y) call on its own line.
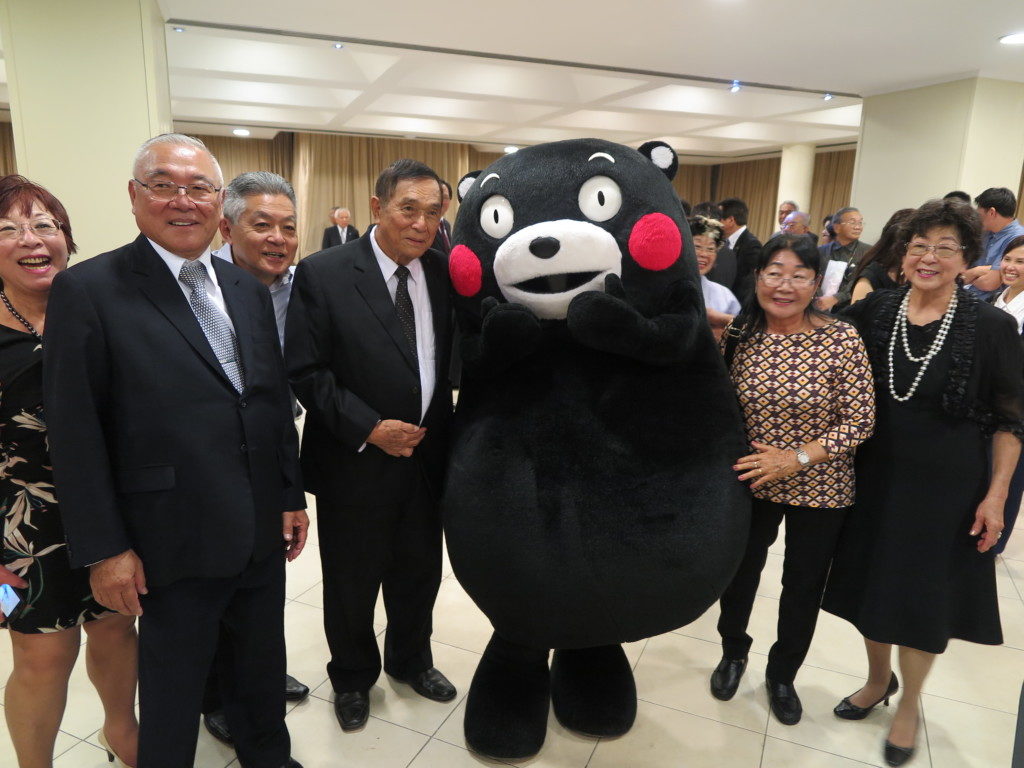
point(900, 329)
point(17, 316)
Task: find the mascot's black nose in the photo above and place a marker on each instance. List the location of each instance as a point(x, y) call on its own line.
point(544, 247)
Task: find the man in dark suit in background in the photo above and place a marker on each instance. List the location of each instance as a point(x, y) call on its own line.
point(173, 444)
point(368, 340)
point(340, 232)
point(733, 213)
point(443, 239)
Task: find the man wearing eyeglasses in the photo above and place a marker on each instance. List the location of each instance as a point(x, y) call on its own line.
point(176, 456)
point(368, 343)
point(846, 247)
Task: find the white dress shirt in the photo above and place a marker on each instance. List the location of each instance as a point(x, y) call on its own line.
point(343, 231)
point(1015, 307)
point(719, 297)
point(175, 263)
point(736, 236)
point(280, 290)
point(421, 313)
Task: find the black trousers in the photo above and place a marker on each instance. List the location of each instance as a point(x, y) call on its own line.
point(811, 536)
point(363, 549)
point(178, 634)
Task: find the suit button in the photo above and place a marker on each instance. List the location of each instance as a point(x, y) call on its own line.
point(242, 403)
point(244, 447)
point(415, 390)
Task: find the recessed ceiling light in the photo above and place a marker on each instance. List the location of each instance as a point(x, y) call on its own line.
point(179, 29)
point(828, 97)
point(339, 46)
point(241, 131)
point(1017, 38)
point(735, 86)
point(510, 149)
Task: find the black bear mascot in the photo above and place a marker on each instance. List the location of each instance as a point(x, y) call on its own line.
point(590, 499)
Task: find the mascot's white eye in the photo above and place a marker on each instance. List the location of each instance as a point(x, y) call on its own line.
point(600, 198)
point(496, 216)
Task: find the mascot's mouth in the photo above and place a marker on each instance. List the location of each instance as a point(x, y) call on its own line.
point(559, 283)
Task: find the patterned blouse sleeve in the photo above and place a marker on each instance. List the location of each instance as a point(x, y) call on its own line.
point(855, 396)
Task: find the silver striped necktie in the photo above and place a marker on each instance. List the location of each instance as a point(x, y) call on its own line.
point(213, 322)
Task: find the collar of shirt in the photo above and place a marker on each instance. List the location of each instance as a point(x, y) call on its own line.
point(736, 236)
point(388, 266)
point(224, 252)
point(175, 262)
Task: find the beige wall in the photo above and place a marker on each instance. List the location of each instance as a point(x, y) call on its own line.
point(76, 126)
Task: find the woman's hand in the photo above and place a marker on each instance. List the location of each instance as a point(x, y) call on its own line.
point(767, 465)
point(8, 576)
point(988, 523)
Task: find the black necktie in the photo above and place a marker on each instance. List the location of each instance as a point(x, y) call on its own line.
point(403, 304)
point(444, 235)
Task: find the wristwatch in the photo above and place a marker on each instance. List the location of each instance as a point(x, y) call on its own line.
point(803, 458)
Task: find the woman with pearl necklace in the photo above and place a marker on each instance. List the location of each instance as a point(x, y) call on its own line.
point(913, 567)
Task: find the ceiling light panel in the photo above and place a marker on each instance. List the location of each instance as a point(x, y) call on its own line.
point(774, 132)
point(718, 101)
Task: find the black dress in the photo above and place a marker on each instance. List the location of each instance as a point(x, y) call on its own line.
point(57, 597)
point(877, 276)
point(906, 570)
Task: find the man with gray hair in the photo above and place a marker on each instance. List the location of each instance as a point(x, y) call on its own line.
point(845, 247)
point(786, 207)
point(173, 445)
point(799, 223)
point(340, 231)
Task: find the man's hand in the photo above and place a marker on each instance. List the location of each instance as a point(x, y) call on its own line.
point(296, 528)
point(825, 303)
point(118, 581)
point(396, 438)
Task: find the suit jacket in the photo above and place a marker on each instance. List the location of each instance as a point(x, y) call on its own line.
point(724, 271)
point(439, 244)
point(152, 447)
point(350, 366)
point(747, 249)
point(332, 236)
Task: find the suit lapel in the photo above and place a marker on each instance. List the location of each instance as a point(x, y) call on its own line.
point(155, 280)
point(234, 300)
point(370, 284)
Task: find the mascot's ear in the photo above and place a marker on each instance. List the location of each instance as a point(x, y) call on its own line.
point(662, 155)
point(462, 189)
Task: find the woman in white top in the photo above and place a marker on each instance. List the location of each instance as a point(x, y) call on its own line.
point(720, 302)
point(1012, 267)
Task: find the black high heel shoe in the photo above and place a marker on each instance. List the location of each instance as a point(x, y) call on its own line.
point(850, 711)
point(896, 756)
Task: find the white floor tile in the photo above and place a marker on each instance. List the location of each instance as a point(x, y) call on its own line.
point(305, 643)
point(675, 671)
point(1016, 569)
point(986, 675)
point(440, 754)
point(1004, 580)
point(85, 755)
point(785, 754)
point(670, 738)
point(63, 743)
point(303, 572)
point(457, 620)
point(966, 736)
point(1011, 615)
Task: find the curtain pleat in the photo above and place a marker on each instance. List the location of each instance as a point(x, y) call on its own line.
point(831, 184)
point(8, 164)
point(756, 182)
point(693, 183)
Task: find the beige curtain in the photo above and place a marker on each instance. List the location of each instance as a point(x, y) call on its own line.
point(8, 165)
point(830, 185)
point(241, 155)
point(756, 182)
point(693, 183)
point(1020, 197)
point(334, 170)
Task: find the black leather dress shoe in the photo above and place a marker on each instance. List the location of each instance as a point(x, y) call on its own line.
point(294, 690)
point(785, 703)
point(431, 684)
point(217, 724)
point(352, 708)
point(726, 678)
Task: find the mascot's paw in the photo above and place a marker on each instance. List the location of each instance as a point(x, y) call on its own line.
point(592, 690)
point(507, 705)
point(509, 330)
point(593, 314)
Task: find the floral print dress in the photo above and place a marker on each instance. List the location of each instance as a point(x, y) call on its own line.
point(57, 596)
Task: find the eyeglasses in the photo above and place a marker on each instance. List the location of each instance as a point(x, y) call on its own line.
point(944, 251)
point(705, 248)
point(198, 192)
point(799, 282)
point(11, 230)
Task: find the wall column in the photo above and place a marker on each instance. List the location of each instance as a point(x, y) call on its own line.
point(796, 172)
point(88, 84)
point(919, 144)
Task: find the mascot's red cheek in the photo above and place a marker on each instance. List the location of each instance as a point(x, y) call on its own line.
point(465, 269)
point(655, 242)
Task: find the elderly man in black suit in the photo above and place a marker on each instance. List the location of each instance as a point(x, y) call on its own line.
point(368, 340)
point(176, 457)
point(340, 231)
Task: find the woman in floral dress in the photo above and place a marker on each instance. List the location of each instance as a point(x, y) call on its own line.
point(35, 240)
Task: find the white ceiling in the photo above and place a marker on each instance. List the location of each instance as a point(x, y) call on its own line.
point(634, 83)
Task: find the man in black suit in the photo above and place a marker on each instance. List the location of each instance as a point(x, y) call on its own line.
point(175, 452)
point(368, 340)
point(340, 232)
point(733, 213)
point(443, 238)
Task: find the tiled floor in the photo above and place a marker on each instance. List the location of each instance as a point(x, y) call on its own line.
point(969, 709)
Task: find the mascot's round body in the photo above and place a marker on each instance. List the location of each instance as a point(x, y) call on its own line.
point(590, 497)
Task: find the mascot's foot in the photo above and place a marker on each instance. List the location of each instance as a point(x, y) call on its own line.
point(592, 690)
point(507, 705)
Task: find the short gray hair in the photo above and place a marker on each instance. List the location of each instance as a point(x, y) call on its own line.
point(178, 139)
point(253, 183)
point(794, 203)
point(802, 216)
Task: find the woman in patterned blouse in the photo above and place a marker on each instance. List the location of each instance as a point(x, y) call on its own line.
point(805, 387)
point(35, 240)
